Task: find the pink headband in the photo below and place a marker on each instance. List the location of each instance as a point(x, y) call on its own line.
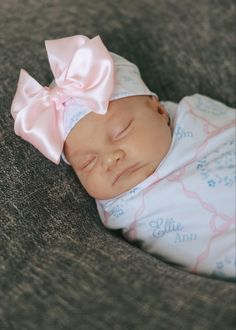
point(86, 76)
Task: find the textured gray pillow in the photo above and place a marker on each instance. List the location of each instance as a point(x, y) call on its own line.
point(59, 267)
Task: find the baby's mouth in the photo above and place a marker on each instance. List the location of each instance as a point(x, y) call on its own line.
point(127, 171)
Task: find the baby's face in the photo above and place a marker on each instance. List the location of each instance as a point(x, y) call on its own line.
point(114, 152)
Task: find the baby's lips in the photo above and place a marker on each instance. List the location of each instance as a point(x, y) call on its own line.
point(127, 170)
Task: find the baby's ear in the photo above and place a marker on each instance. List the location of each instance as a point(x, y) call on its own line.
point(159, 108)
point(154, 102)
point(163, 112)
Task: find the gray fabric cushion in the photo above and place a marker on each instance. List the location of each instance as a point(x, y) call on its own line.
point(59, 267)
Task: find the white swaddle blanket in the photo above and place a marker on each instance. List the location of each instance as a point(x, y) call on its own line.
point(185, 211)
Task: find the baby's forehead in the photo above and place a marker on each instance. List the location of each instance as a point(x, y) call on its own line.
point(127, 101)
point(120, 107)
point(94, 123)
point(118, 111)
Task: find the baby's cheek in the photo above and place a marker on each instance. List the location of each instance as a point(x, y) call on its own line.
point(92, 184)
point(144, 142)
point(82, 178)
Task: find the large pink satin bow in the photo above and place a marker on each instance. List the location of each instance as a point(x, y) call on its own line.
point(83, 68)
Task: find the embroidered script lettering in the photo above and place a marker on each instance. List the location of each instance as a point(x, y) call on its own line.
point(164, 226)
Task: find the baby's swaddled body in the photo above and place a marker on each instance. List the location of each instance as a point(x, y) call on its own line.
point(185, 211)
point(101, 117)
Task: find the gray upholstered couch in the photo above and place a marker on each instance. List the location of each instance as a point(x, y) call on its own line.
point(59, 267)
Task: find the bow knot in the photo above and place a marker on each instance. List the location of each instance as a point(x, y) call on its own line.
point(82, 68)
point(57, 97)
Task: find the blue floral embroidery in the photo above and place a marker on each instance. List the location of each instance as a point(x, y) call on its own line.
point(117, 211)
point(211, 183)
point(218, 167)
point(222, 265)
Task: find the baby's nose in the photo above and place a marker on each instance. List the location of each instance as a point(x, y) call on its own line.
point(112, 158)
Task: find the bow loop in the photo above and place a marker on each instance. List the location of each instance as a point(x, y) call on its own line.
point(60, 53)
point(27, 90)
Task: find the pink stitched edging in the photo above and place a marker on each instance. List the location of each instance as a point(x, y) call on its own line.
point(212, 223)
point(224, 227)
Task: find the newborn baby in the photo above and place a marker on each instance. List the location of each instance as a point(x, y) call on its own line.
point(162, 172)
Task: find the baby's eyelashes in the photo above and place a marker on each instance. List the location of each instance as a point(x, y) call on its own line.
point(87, 163)
point(121, 131)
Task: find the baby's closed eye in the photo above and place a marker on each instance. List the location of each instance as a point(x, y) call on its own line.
point(87, 162)
point(121, 130)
